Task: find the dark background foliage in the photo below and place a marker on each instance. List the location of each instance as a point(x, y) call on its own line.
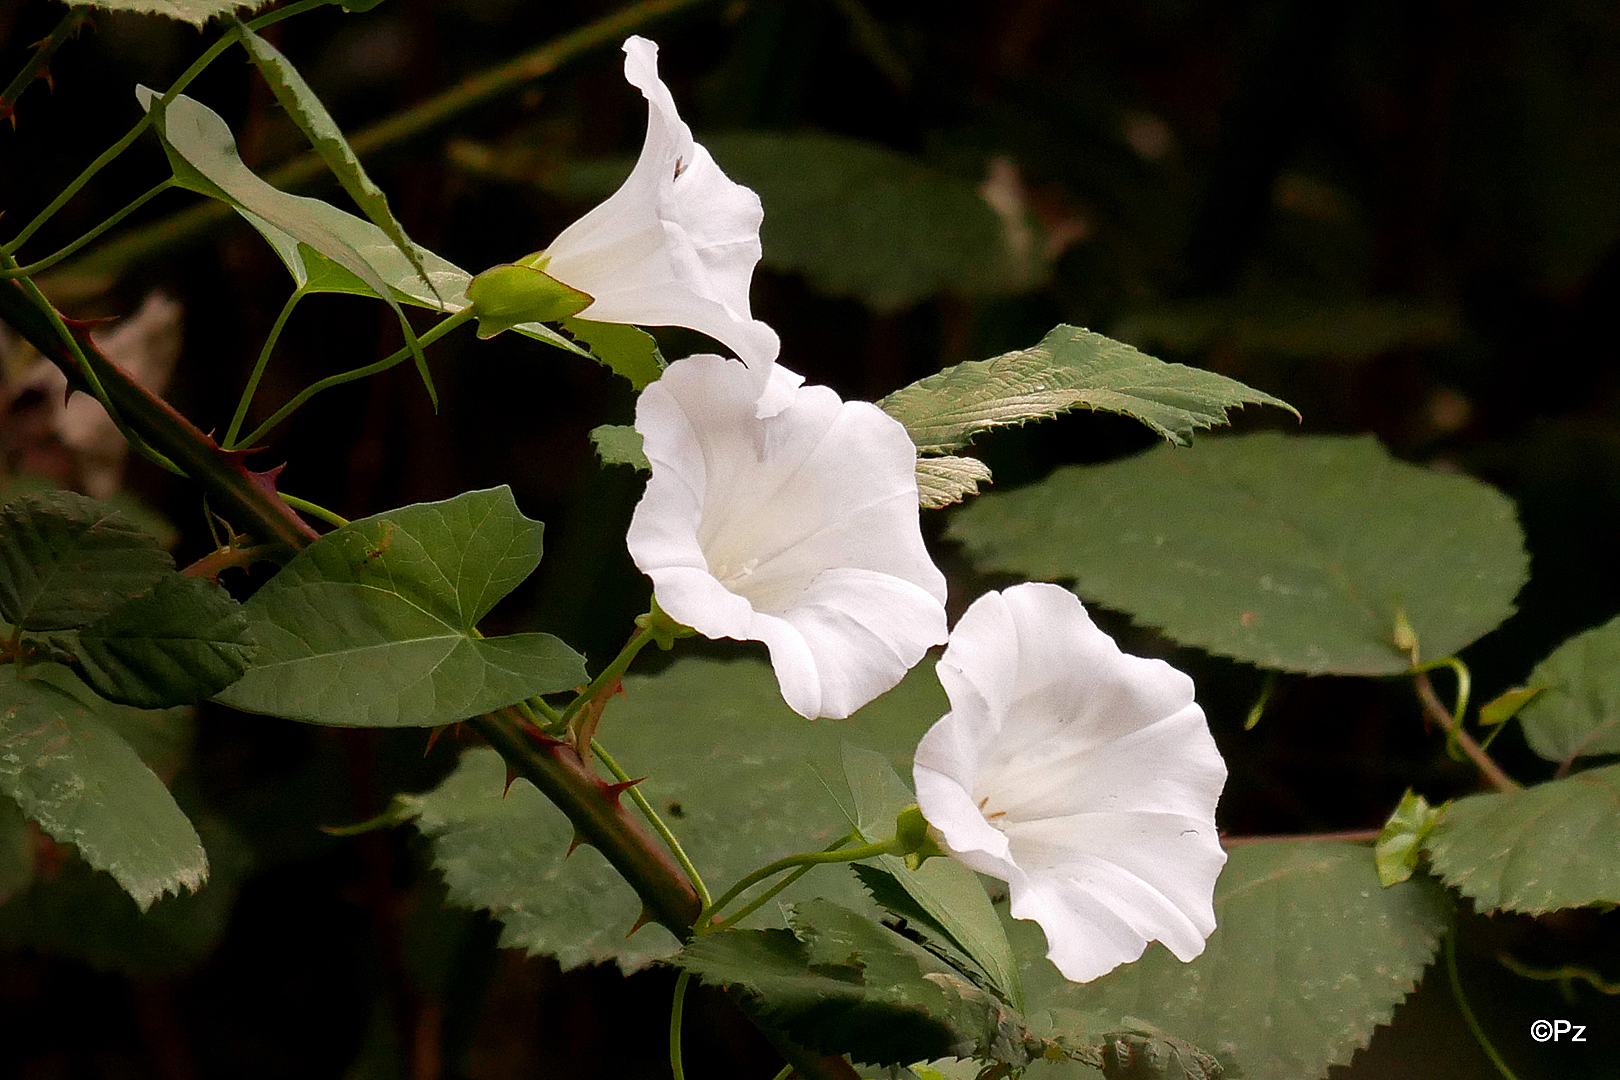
point(1403, 218)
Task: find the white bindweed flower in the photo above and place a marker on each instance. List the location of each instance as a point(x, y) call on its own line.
point(676, 245)
point(1082, 776)
point(799, 530)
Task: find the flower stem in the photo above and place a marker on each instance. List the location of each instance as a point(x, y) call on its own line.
point(832, 854)
point(51, 260)
point(610, 674)
point(393, 359)
point(229, 442)
point(315, 510)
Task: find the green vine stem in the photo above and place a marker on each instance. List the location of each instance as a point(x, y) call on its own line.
point(472, 92)
point(834, 854)
point(655, 821)
point(257, 373)
point(49, 261)
point(677, 1011)
point(212, 53)
point(1468, 1013)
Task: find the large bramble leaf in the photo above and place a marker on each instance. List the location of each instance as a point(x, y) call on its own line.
point(85, 786)
point(1295, 553)
point(1071, 368)
point(179, 644)
point(1577, 711)
point(66, 560)
point(1309, 955)
point(1535, 850)
point(840, 983)
point(307, 111)
point(195, 12)
point(942, 892)
point(739, 777)
point(375, 624)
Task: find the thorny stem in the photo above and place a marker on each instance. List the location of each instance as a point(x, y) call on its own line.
point(1453, 728)
point(655, 821)
point(39, 64)
point(473, 91)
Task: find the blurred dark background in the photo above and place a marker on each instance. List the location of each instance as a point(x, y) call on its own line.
point(1403, 218)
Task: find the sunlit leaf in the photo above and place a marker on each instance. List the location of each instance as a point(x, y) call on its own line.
point(195, 12)
point(626, 350)
point(620, 444)
point(1071, 368)
point(375, 624)
point(86, 787)
point(1535, 850)
point(942, 481)
point(1293, 553)
point(202, 152)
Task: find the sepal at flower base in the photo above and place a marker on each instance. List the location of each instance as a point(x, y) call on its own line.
point(515, 293)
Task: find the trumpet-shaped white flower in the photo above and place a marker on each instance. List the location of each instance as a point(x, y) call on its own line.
point(1082, 776)
point(799, 530)
point(676, 245)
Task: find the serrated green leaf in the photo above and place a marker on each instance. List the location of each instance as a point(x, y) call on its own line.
point(1145, 1053)
point(307, 111)
point(203, 155)
point(374, 624)
point(195, 12)
point(719, 748)
point(184, 641)
point(86, 787)
point(840, 983)
point(1578, 710)
point(1071, 368)
point(1555, 845)
point(1292, 553)
point(512, 294)
point(620, 444)
point(858, 219)
point(1400, 841)
point(942, 481)
point(950, 894)
point(66, 560)
point(625, 350)
point(1309, 955)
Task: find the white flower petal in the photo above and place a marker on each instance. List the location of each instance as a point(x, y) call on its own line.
point(676, 245)
point(1082, 776)
point(798, 529)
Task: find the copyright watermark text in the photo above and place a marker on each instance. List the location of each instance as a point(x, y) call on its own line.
point(1557, 1031)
